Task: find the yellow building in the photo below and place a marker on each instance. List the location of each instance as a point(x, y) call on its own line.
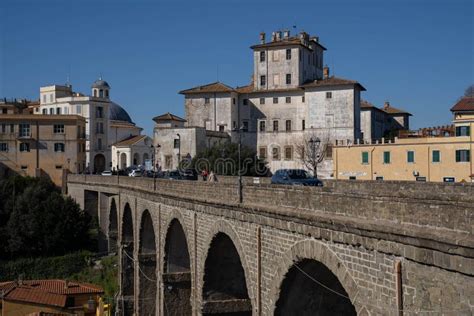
point(435, 158)
point(42, 145)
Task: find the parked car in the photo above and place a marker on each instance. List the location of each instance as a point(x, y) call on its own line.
point(173, 175)
point(135, 173)
point(189, 174)
point(106, 173)
point(295, 177)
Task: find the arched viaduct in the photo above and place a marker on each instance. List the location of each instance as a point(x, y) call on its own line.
point(365, 248)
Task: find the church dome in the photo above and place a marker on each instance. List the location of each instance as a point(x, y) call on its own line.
point(117, 113)
point(100, 84)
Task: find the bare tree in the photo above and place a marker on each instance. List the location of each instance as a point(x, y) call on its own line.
point(312, 151)
point(469, 92)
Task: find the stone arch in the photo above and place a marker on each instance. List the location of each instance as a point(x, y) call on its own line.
point(113, 227)
point(99, 163)
point(312, 250)
point(238, 299)
point(147, 266)
point(127, 256)
point(123, 161)
point(136, 159)
point(177, 276)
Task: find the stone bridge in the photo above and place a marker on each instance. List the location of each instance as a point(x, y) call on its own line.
point(349, 248)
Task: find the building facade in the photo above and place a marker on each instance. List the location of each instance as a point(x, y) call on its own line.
point(291, 97)
point(42, 145)
point(106, 122)
point(134, 151)
point(438, 157)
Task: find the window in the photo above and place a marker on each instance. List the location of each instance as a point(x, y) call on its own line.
point(58, 128)
point(60, 167)
point(101, 93)
point(106, 93)
point(176, 143)
point(436, 156)
point(4, 128)
point(288, 153)
point(99, 112)
point(262, 100)
point(303, 125)
point(24, 130)
point(276, 153)
point(245, 126)
point(3, 147)
point(328, 95)
point(234, 125)
point(288, 99)
point(95, 92)
point(51, 98)
point(275, 100)
point(288, 78)
point(288, 125)
point(386, 157)
point(233, 100)
point(45, 111)
point(262, 56)
point(37, 109)
point(58, 111)
point(463, 155)
point(262, 152)
point(59, 147)
point(99, 143)
point(207, 100)
point(302, 99)
point(275, 126)
point(263, 80)
point(262, 126)
point(12, 128)
point(365, 157)
point(245, 101)
point(24, 147)
point(410, 156)
point(100, 128)
point(24, 167)
point(51, 111)
point(288, 54)
point(221, 128)
point(44, 98)
point(463, 131)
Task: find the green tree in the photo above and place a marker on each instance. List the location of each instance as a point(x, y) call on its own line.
point(223, 159)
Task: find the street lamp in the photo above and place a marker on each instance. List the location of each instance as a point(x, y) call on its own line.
point(240, 173)
point(153, 160)
point(179, 148)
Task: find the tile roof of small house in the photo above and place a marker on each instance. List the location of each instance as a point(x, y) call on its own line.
point(465, 104)
point(168, 117)
point(46, 292)
point(290, 41)
point(208, 88)
point(332, 81)
point(129, 141)
point(389, 109)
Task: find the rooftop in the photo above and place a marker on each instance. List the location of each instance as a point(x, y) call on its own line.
point(388, 108)
point(209, 88)
point(332, 81)
point(463, 105)
point(168, 117)
point(130, 141)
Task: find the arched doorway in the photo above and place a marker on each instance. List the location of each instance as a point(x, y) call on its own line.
point(113, 227)
point(177, 272)
point(147, 262)
point(99, 163)
point(225, 287)
point(128, 268)
point(123, 161)
point(136, 159)
point(310, 288)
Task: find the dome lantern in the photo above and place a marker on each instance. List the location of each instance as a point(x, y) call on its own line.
point(101, 89)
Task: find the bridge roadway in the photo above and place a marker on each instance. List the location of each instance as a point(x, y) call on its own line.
point(351, 247)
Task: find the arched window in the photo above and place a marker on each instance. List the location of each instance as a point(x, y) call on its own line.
point(106, 93)
point(95, 92)
point(101, 93)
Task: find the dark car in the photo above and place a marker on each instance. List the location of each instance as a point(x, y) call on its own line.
point(295, 177)
point(189, 174)
point(173, 175)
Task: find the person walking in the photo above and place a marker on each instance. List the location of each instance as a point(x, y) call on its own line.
point(204, 175)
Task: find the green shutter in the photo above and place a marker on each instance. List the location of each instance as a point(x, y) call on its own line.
point(386, 157)
point(458, 155)
point(365, 157)
point(468, 131)
point(410, 156)
point(468, 155)
point(436, 156)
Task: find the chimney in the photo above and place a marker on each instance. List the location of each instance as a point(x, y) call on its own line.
point(386, 105)
point(278, 35)
point(273, 36)
point(262, 38)
point(286, 34)
point(326, 72)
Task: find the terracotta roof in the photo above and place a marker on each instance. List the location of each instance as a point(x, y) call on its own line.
point(250, 89)
point(465, 104)
point(387, 108)
point(46, 292)
point(212, 87)
point(290, 41)
point(332, 81)
point(367, 105)
point(130, 140)
point(168, 117)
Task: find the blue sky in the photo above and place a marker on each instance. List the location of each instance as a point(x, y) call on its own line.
point(416, 54)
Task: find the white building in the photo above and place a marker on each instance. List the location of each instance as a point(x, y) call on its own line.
point(107, 122)
point(132, 151)
point(291, 97)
